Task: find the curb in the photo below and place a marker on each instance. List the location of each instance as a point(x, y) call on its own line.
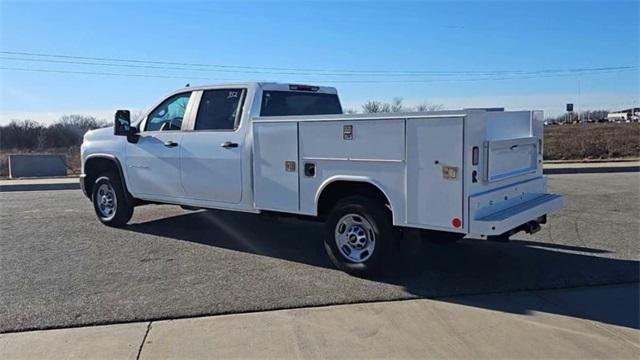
point(591, 170)
point(39, 187)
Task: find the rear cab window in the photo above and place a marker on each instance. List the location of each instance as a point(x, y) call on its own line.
point(220, 109)
point(285, 103)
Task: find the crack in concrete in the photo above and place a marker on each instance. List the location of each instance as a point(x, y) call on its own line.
point(144, 339)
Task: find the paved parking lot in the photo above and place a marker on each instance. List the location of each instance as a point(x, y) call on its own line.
point(60, 267)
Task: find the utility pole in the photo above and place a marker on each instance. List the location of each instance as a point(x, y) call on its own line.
point(579, 100)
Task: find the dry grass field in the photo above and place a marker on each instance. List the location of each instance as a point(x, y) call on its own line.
point(592, 141)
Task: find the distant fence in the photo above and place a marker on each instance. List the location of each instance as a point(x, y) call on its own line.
point(37, 165)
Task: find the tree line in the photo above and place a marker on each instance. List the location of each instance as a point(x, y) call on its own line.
point(396, 105)
point(585, 116)
point(66, 132)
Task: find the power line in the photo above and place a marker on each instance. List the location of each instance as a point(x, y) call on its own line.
point(267, 72)
point(323, 81)
point(105, 73)
point(198, 69)
point(309, 71)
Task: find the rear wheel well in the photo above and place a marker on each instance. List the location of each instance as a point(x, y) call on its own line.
point(94, 167)
point(338, 190)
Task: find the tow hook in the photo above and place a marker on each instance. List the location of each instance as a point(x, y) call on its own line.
point(531, 227)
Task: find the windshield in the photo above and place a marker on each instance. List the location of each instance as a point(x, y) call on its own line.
point(282, 103)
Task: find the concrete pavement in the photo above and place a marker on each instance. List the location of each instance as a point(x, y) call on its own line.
point(119, 341)
point(60, 267)
point(593, 322)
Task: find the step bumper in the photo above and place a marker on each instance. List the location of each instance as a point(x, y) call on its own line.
point(510, 218)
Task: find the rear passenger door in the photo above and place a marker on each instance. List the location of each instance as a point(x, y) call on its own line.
point(211, 151)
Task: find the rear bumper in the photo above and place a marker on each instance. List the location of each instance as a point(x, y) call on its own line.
point(513, 217)
point(502, 210)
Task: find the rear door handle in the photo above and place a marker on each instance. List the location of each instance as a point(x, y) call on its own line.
point(170, 143)
point(229, 144)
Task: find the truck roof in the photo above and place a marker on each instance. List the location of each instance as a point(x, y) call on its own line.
point(265, 85)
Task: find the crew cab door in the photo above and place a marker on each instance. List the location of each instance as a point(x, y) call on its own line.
point(153, 162)
point(211, 151)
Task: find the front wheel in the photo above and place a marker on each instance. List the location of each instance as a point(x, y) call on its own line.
point(110, 201)
point(360, 236)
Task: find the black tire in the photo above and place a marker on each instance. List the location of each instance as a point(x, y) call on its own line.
point(379, 225)
point(122, 206)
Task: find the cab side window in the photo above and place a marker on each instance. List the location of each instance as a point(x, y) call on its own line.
point(168, 115)
point(220, 109)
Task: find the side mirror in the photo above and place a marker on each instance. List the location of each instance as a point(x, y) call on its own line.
point(122, 126)
point(122, 123)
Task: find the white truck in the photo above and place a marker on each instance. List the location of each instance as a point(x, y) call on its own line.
point(288, 149)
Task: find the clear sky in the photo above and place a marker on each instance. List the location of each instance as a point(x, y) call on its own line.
point(522, 55)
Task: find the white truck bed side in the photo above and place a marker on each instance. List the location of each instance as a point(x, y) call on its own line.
point(421, 162)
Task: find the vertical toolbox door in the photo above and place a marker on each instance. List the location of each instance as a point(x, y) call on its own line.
point(276, 165)
point(434, 172)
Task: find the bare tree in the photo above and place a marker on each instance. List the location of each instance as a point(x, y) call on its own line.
point(350, 111)
point(426, 106)
point(372, 106)
point(20, 134)
point(396, 105)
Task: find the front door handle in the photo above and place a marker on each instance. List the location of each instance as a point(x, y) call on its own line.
point(170, 143)
point(229, 144)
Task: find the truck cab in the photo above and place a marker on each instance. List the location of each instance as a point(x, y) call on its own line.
point(288, 149)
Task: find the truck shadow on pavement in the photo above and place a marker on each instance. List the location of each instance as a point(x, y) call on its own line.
point(465, 269)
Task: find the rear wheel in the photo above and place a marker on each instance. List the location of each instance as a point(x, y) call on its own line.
point(360, 235)
point(110, 202)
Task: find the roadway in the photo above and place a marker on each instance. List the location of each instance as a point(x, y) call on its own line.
point(60, 267)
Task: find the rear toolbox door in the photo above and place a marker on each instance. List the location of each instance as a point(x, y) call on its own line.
point(510, 157)
point(434, 173)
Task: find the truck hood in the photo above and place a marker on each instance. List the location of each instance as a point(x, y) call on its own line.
point(99, 134)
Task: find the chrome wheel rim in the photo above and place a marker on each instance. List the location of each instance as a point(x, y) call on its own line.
point(355, 238)
point(106, 201)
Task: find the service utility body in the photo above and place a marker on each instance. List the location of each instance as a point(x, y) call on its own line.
point(285, 149)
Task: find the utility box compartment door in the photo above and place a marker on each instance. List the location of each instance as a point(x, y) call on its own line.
point(275, 166)
point(511, 157)
point(434, 172)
